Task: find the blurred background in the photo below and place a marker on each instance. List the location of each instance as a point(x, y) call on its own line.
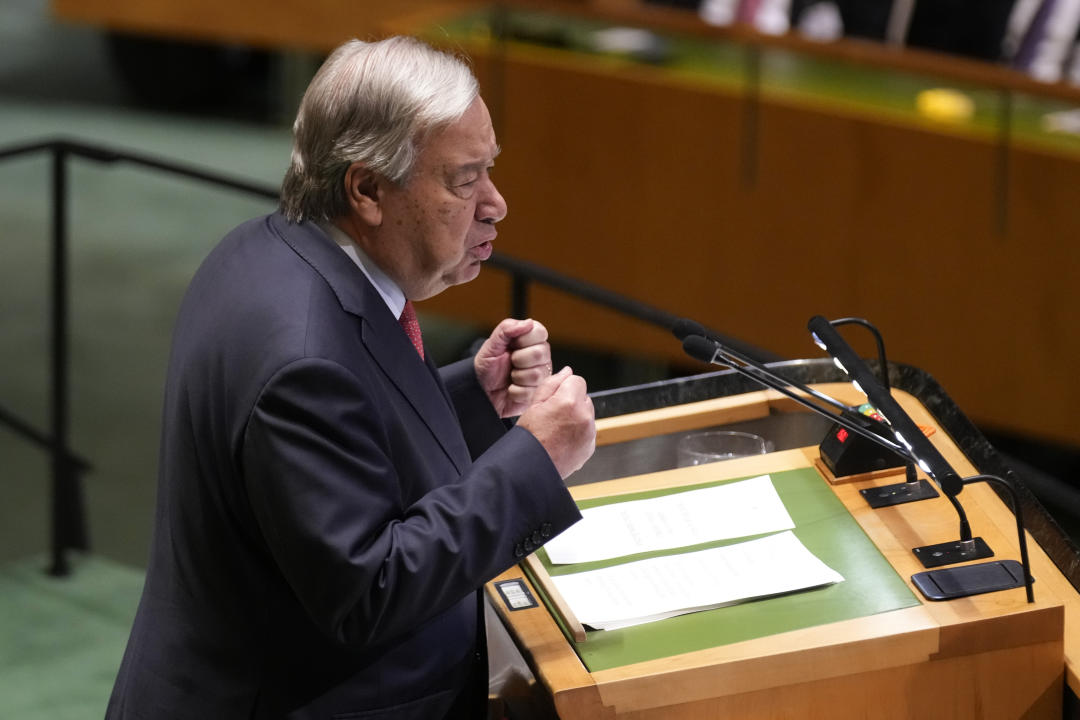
point(747, 163)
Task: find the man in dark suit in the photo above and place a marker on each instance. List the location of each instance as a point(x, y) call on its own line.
point(329, 501)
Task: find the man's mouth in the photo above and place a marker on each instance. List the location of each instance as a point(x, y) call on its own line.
point(482, 251)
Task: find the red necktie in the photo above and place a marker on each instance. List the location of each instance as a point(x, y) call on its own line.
point(411, 327)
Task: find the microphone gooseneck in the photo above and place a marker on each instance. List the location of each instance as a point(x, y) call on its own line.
point(712, 352)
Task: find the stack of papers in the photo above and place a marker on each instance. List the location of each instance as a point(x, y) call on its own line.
point(739, 509)
point(647, 590)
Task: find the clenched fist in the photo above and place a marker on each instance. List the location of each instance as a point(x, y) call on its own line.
point(512, 363)
point(563, 420)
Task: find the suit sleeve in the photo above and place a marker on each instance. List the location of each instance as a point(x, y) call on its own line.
point(320, 473)
point(480, 424)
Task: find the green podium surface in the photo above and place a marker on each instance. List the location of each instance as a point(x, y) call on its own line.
point(822, 524)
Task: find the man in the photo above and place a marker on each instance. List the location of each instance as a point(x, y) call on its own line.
point(330, 502)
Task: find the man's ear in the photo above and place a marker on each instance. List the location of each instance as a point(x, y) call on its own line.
point(362, 193)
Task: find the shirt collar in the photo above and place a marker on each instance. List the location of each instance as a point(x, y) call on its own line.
point(387, 288)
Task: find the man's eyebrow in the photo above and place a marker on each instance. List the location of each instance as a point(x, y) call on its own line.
point(485, 162)
point(478, 164)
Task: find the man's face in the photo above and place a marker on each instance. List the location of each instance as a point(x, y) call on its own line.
point(438, 228)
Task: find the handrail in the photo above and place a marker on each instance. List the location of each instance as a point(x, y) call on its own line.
point(36, 437)
point(69, 527)
point(111, 155)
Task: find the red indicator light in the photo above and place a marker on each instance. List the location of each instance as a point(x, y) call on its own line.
point(842, 435)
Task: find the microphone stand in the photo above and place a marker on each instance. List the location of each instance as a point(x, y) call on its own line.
point(913, 488)
point(684, 328)
point(712, 352)
point(842, 453)
point(956, 582)
point(943, 583)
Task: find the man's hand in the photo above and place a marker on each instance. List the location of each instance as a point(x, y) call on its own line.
point(512, 363)
point(563, 420)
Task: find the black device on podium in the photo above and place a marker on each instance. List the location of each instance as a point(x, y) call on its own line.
point(845, 453)
point(861, 456)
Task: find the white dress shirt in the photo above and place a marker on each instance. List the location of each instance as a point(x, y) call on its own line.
point(388, 289)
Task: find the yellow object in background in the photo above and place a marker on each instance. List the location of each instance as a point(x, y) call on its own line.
point(945, 105)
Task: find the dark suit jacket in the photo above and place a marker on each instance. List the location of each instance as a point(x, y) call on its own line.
point(327, 504)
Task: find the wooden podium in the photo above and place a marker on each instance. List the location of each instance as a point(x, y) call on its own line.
point(986, 656)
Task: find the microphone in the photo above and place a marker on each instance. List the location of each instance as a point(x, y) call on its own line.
point(712, 352)
point(841, 453)
point(699, 347)
point(963, 581)
point(685, 328)
point(903, 428)
point(910, 444)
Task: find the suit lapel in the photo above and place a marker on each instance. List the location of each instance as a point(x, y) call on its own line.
point(381, 334)
point(397, 357)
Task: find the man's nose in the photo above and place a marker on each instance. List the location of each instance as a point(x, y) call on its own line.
point(492, 206)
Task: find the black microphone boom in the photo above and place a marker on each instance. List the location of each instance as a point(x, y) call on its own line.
point(964, 581)
point(903, 427)
point(710, 351)
point(685, 328)
point(910, 443)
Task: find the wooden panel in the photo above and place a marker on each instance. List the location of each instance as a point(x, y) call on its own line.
point(1006, 686)
point(551, 658)
point(667, 189)
point(633, 426)
point(317, 25)
point(636, 182)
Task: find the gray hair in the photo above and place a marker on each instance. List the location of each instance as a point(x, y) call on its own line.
point(371, 103)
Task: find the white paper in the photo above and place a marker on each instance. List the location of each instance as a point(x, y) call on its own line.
point(653, 589)
point(739, 509)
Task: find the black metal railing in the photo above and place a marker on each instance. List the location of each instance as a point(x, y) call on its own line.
point(67, 508)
